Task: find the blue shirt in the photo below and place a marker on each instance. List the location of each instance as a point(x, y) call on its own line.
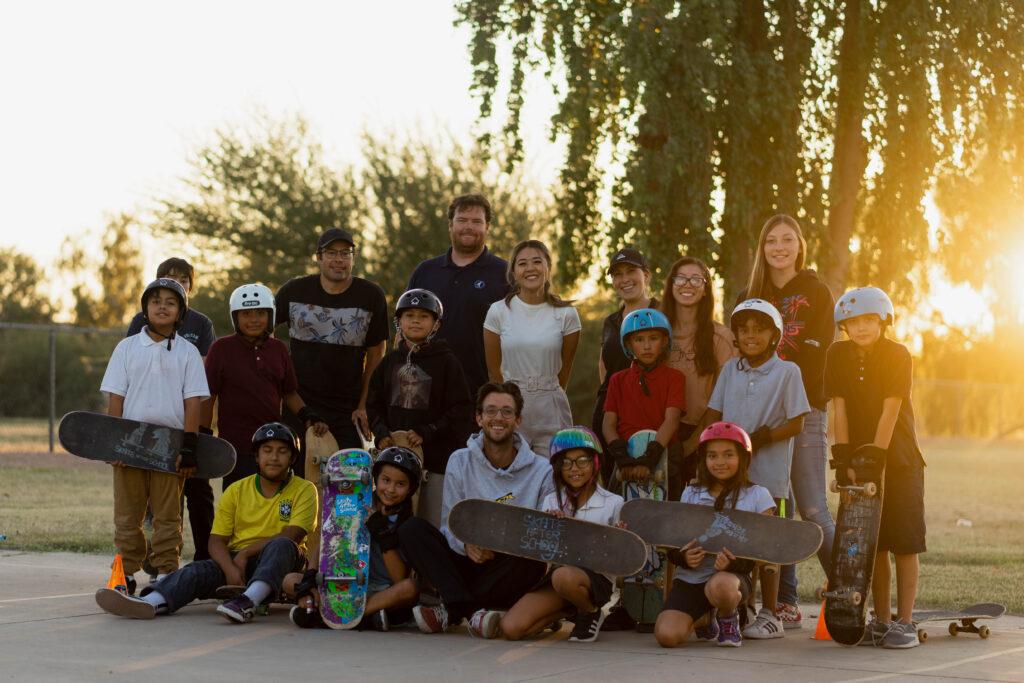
point(766, 396)
point(466, 292)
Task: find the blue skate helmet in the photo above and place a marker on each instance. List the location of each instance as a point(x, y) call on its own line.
point(643, 319)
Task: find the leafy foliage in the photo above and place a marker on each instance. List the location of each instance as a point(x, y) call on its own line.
point(20, 298)
point(105, 292)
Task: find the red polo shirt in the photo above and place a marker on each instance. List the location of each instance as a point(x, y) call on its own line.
point(635, 409)
point(249, 382)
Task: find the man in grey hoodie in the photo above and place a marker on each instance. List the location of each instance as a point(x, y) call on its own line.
point(497, 464)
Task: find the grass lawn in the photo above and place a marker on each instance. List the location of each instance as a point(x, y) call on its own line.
point(59, 502)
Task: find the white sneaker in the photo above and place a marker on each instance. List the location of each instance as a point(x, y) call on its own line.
point(766, 626)
point(485, 623)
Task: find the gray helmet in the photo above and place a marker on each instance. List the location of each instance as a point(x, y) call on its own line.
point(862, 301)
point(403, 459)
point(174, 286)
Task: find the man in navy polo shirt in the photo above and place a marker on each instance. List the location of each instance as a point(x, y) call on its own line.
point(468, 279)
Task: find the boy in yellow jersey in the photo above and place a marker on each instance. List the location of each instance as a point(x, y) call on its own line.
point(258, 537)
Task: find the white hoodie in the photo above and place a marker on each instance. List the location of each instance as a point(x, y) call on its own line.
point(526, 482)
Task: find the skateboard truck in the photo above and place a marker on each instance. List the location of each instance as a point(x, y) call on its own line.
point(869, 489)
point(841, 594)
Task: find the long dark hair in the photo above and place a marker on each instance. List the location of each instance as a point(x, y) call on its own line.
point(549, 297)
point(732, 487)
point(704, 340)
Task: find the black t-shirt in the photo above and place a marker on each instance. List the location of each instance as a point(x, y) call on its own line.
point(196, 328)
point(466, 293)
point(328, 337)
point(864, 382)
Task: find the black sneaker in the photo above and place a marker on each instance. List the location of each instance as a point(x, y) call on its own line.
point(376, 621)
point(131, 584)
point(306, 618)
point(240, 610)
point(586, 627)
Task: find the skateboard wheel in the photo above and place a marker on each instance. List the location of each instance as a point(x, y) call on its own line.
point(856, 597)
point(984, 631)
point(364, 478)
point(819, 594)
point(870, 489)
point(833, 486)
point(922, 635)
point(953, 629)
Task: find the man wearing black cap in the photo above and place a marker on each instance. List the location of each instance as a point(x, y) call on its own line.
point(467, 279)
point(337, 328)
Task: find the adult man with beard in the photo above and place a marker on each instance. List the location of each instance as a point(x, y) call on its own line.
point(337, 328)
point(467, 279)
point(497, 464)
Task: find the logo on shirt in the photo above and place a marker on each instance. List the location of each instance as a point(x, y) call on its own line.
point(284, 510)
point(479, 284)
point(507, 498)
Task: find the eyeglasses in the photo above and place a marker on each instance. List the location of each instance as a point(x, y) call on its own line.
point(693, 280)
point(491, 411)
point(341, 255)
point(580, 462)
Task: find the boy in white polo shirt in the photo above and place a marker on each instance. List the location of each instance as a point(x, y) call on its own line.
point(155, 376)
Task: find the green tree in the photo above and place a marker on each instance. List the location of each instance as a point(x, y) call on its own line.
point(841, 113)
point(105, 290)
point(21, 301)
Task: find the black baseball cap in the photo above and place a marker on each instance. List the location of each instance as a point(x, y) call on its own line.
point(333, 235)
point(628, 255)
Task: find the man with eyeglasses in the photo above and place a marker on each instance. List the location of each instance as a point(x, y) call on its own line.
point(337, 329)
point(497, 464)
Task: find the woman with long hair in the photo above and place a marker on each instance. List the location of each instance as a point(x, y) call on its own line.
point(530, 338)
point(806, 305)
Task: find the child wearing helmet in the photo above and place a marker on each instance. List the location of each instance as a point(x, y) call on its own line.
point(195, 327)
point(155, 376)
point(575, 469)
point(765, 396)
point(258, 536)
point(868, 378)
point(419, 387)
point(391, 591)
point(706, 590)
point(250, 375)
point(647, 395)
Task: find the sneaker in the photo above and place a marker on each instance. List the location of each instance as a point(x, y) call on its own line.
point(115, 602)
point(873, 633)
point(586, 627)
point(431, 619)
point(376, 621)
point(789, 615)
point(729, 630)
point(900, 636)
point(484, 623)
point(710, 630)
point(131, 584)
point(239, 610)
point(306, 618)
point(765, 626)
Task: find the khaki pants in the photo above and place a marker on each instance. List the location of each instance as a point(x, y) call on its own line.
point(133, 489)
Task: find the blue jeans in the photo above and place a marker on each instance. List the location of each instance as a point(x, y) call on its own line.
point(810, 457)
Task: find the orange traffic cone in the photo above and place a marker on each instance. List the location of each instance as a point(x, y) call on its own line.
point(821, 631)
point(117, 580)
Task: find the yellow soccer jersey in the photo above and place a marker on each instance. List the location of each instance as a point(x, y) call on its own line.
point(245, 516)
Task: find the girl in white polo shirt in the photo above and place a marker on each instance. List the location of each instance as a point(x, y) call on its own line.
point(575, 465)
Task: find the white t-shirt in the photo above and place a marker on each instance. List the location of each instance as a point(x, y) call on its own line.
point(154, 381)
point(531, 336)
point(602, 507)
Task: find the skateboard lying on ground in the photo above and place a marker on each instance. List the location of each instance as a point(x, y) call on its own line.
point(318, 449)
point(537, 535)
point(749, 535)
point(853, 556)
point(644, 594)
point(967, 616)
point(344, 568)
point(96, 436)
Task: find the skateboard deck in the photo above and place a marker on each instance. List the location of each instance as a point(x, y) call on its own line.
point(344, 567)
point(643, 594)
point(853, 560)
point(96, 436)
point(749, 535)
point(537, 535)
point(966, 618)
point(318, 449)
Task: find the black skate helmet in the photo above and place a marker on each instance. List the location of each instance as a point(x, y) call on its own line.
point(174, 286)
point(420, 298)
point(278, 431)
point(403, 459)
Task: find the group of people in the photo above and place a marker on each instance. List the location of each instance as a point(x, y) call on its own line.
point(483, 350)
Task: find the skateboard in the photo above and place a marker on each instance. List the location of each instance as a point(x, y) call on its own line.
point(540, 536)
point(318, 449)
point(967, 616)
point(749, 535)
point(344, 568)
point(96, 436)
point(643, 593)
point(853, 557)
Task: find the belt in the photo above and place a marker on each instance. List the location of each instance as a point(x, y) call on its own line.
point(536, 383)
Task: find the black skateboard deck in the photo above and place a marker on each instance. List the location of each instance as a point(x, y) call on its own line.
point(966, 618)
point(544, 537)
point(749, 535)
point(853, 560)
point(96, 436)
